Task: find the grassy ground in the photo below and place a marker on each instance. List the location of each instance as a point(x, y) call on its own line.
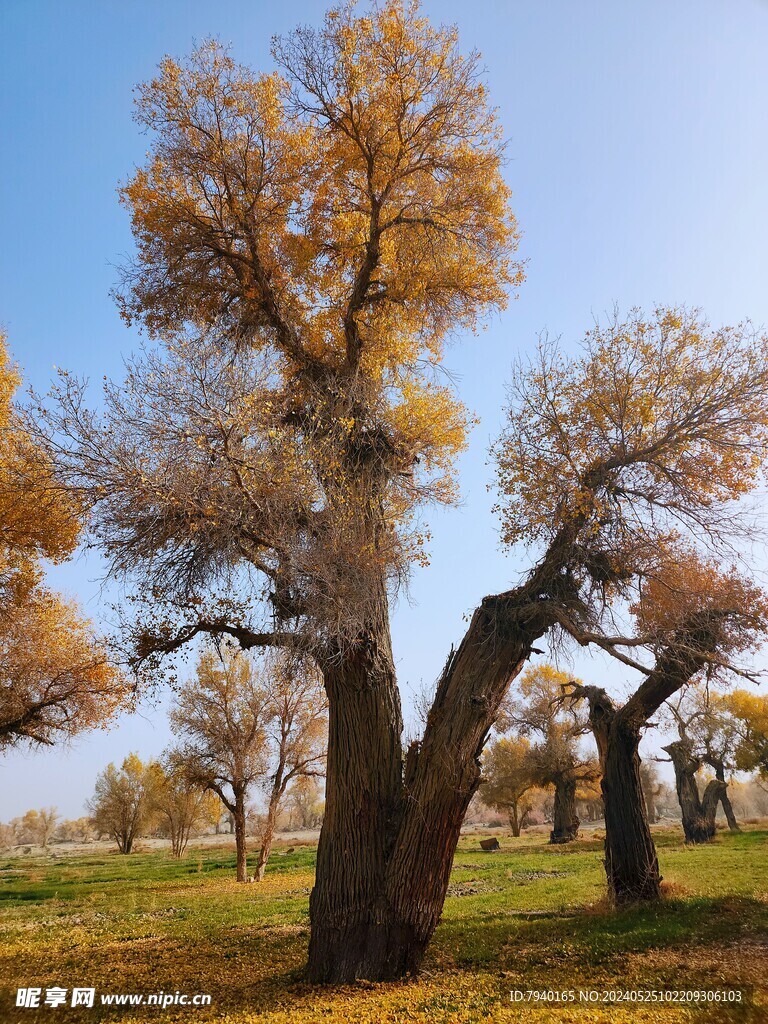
point(528, 917)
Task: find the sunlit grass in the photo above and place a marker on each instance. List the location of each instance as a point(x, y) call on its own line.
point(529, 916)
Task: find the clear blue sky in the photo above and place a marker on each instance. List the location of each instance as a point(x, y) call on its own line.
point(639, 162)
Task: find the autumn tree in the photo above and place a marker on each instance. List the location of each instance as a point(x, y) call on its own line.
point(750, 713)
point(55, 677)
point(652, 787)
point(709, 734)
point(296, 725)
point(508, 775)
point(180, 805)
point(122, 805)
point(306, 241)
point(535, 708)
point(305, 805)
point(36, 827)
point(691, 616)
point(219, 718)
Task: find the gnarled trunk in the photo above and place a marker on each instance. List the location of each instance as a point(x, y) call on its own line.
point(631, 862)
point(565, 823)
point(353, 931)
point(390, 832)
point(698, 812)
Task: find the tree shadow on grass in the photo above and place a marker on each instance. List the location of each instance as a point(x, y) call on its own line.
point(595, 935)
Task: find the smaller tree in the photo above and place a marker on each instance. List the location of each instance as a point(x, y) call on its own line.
point(556, 759)
point(750, 713)
point(652, 787)
point(220, 718)
point(305, 805)
point(698, 810)
point(180, 804)
point(36, 827)
point(707, 734)
point(509, 773)
point(123, 801)
point(297, 734)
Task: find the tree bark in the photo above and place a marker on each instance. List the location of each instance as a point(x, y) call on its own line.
point(698, 812)
point(725, 800)
point(353, 930)
point(514, 821)
point(239, 824)
point(390, 832)
point(267, 836)
point(631, 862)
point(565, 824)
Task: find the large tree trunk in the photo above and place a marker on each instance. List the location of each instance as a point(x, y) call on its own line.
point(698, 812)
point(443, 772)
point(565, 823)
point(389, 835)
point(353, 931)
point(239, 823)
point(631, 863)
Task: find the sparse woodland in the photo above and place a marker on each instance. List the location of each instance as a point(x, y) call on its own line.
point(308, 239)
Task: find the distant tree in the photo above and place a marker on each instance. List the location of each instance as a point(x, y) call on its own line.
point(652, 787)
point(698, 809)
point(123, 801)
point(296, 726)
point(180, 805)
point(304, 803)
point(710, 734)
point(36, 827)
point(55, 677)
point(508, 774)
point(220, 718)
point(535, 708)
point(589, 796)
point(77, 830)
point(750, 712)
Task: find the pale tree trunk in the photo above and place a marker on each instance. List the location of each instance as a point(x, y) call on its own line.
point(725, 800)
point(565, 824)
point(514, 820)
point(698, 812)
point(238, 815)
point(268, 834)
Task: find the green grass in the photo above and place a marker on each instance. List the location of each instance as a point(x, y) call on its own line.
point(529, 916)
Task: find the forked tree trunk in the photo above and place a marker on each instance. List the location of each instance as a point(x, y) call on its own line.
point(565, 823)
point(389, 835)
point(631, 862)
point(698, 812)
